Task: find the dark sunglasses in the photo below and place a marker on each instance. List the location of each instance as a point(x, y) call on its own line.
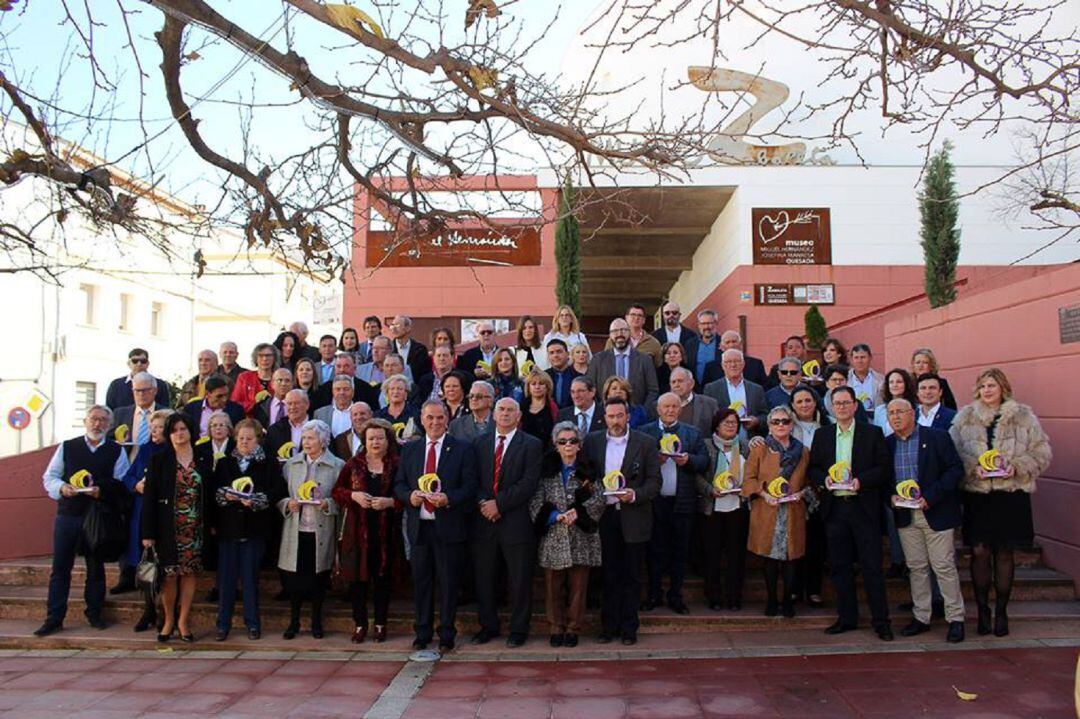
point(782, 421)
point(789, 372)
point(567, 440)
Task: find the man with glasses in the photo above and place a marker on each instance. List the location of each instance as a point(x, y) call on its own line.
point(120, 393)
point(622, 360)
point(706, 348)
point(794, 346)
point(640, 340)
point(414, 352)
point(478, 421)
point(789, 370)
point(671, 329)
point(853, 516)
point(483, 352)
point(753, 367)
point(739, 393)
point(585, 412)
point(106, 464)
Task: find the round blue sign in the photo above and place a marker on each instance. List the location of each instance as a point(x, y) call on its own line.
point(19, 418)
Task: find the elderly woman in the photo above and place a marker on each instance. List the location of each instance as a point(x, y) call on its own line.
point(218, 442)
point(997, 509)
point(809, 418)
point(369, 516)
point(243, 524)
point(618, 387)
point(539, 412)
point(175, 494)
point(777, 530)
point(923, 362)
point(135, 481)
point(251, 383)
point(399, 412)
point(727, 519)
point(504, 376)
point(566, 510)
point(309, 537)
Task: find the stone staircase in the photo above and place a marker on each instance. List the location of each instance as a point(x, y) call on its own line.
point(1040, 594)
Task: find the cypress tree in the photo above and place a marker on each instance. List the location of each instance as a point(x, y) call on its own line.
point(568, 252)
point(816, 330)
point(939, 208)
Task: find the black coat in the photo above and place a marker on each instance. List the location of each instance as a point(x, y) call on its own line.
point(519, 477)
point(871, 464)
point(159, 502)
point(193, 409)
point(235, 521)
point(457, 472)
point(641, 468)
point(940, 472)
point(362, 392)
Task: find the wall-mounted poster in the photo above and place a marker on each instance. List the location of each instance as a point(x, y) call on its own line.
point(784, 294)
point(791, 236)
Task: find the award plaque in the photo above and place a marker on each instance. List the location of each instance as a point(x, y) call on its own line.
point(241, 487)
point(909, 493)
point(82, 481)
point(399, 431)
point(261, 395)
point(993, 464)
point(840, 478)
point(614, 483)
point(308, 493)
point(780, 490)
point(811, 371)
point(671, 446)
point(121, 435)
point(285, 451)
point(526, 367)
point(726, 483)
point(429, 484)
point(740, 409)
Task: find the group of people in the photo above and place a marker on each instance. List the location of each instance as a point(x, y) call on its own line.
point(339, 463)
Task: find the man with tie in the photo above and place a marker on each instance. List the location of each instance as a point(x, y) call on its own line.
point(853, 516)
point(626, 525)
point(435, 522)
point(372, 329)
point(288, 428)
point(622, 360)
point(509, 466)
point(325, 367)
point(477, 422)
point(272, 409)
point(137, 416)
point(586, 412)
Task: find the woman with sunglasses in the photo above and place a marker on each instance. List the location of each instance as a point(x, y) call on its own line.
point(566, 510)
point(777, 529)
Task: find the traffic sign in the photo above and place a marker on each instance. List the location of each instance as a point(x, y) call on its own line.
point(19, 418)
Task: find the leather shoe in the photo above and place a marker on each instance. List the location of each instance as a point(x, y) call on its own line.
point(650, 604)
point(715, 606)
point(49, 627)
point(358, 635)
point(163, 638)
point(914, 628)
point(446, 646)
point(734, 605)
point(188, 638)
point(515, 640)
point(570, 640)
point(629, 640)
point(145, 622)
point(839, 627)
point(291, 631)
point(956, 633)
point(603, 638)
point(222, 635)
point(420, 644)
point(679, 606)
point(254, 634)
point(317, 631)
point(884, 633)
point(482, 637)
point(98, 623)
point(380, 634)
point(557, 640)
point(1001, 623)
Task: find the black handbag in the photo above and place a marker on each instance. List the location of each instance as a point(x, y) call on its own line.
point(147, 573)
point(105, 532)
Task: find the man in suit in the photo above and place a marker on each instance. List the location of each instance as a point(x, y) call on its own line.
point(478, 421)
point(272, 408)
point(626, 524)
point(436, 523)
point(853, 517)
point(706, 346)
point(229, 367)
point(753, 370)
point(372, 329)
point(931, 412)
point(349, 442)
point(673, 509)
point(206, 362)
point(585, 412)
point(624, 361)
point(371, 371)
point(324, 367)
point(561, 372)
point(287, 429)
point(698, 410)
point(794, 346)
point(412, 351)
point(928, 456)
point(337, 414)
point(215, 398)
point(120, 392)
point(137, 416)
point(735, 388)
point(672, 330)
point(509, 466)
point(300, 329)
point(430, 385)
point(640, 340)
point(344, 364)
point(483, 352)
point(790, 373)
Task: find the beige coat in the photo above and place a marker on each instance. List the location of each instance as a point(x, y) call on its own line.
point(1018, 436)
point(327, 469)
point(762, 466)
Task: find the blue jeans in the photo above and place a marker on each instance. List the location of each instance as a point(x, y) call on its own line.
point(239, 558)
point(67, 536)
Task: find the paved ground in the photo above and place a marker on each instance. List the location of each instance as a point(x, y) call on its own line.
point(1028, 682)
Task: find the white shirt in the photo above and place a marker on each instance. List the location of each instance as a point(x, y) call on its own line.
point(424, 513)
point(868, 387)
point(614, 453)
point(509, 438)
point(926, 418)
point(53, 479)
point(340, 421)
point(294, 435)
point(669, 471)
point(355, 442)
point(588, 416)
point(488, 355)
point(673, 335)
point(737, 393)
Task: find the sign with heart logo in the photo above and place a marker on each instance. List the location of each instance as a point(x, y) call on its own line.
point(791, 236)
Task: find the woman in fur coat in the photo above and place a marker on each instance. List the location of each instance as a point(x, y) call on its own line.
point(997, 509)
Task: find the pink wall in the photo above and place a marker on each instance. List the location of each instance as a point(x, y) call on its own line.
point(28, 512)
point(1015, 327)
point(453, 291)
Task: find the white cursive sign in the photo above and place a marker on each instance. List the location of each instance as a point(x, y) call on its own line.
point(771, 228)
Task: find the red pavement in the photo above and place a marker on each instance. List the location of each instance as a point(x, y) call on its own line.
point(1023, 683)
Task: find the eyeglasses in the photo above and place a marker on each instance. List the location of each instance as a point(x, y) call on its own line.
point(788, 372)
point(478, 396)
point(144, 389)
point(567, 440)
point(842, 403)
point(487, 332)
point(671, 312)
point(780, 422)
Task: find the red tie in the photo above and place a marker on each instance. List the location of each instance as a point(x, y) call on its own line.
point(429, 468)
point(498, 461)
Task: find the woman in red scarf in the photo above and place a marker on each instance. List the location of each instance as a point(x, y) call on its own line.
point(369, 514)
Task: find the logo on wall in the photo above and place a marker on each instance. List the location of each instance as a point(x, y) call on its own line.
point(791, 236)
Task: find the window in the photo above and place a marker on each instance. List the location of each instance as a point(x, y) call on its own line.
point(85, 398)
point(157, 318)
point(125, 313)
point(88, 300)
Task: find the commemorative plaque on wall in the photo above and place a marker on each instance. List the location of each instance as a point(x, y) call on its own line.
point(783, 294)
point(791, 236)
point(512, 246)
